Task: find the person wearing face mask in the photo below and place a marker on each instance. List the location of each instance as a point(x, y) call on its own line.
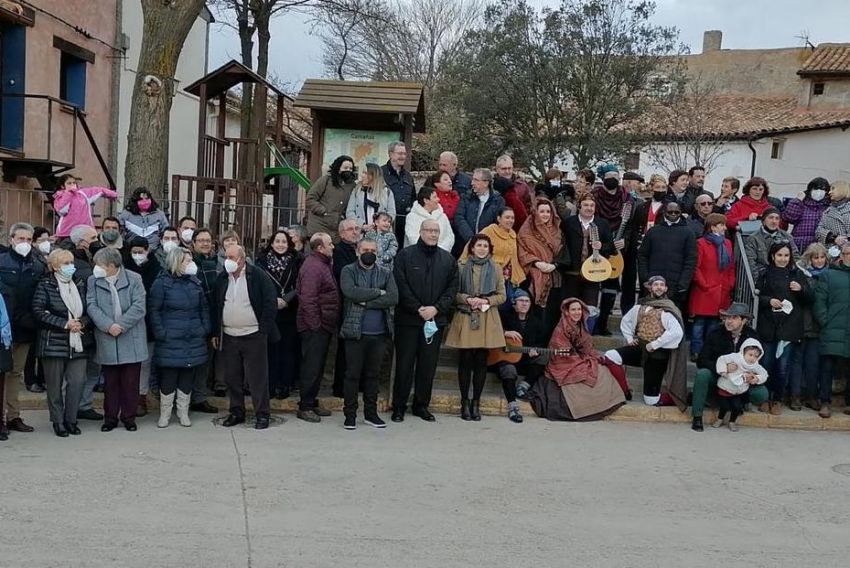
point(41, 241)
point(186, 227)
point(73, 203)
point(369, 295)
point(644, 217)
point(115, 299)
point(804, 212)
point(20, 271)
point(328, 197)
point(179, 317)
point(169, 239)
point(65, 340)
point(833, 231)
point(669, 249)
point(757, 245)
point(109, 235)
point(142, 217)
point(400, 182)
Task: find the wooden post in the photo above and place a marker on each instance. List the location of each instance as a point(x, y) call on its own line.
point(407, 138)
point(316, 148)
point(202, 127)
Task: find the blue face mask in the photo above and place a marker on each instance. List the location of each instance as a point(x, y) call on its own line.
point(67, 270)
point(429, 329)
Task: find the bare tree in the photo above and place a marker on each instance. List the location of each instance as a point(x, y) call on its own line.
point(166, 25)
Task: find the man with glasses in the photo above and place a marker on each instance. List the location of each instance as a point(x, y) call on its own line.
point(399, 180)
point(478, 209)
point(669, 249)
point(703, 207)
point(505, 169)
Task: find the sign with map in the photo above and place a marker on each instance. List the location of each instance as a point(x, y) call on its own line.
point(362, 145)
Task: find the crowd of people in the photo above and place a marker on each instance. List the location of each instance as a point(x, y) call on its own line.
point(481, 263)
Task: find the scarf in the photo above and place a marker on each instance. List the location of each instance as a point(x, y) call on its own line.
point(610, 206)
point(277, 264)
point(486, 282)
point(581, 364)
point(539, 242)
point(5, 327)
point(719, 241)
point(71, 297)
point(116, 299)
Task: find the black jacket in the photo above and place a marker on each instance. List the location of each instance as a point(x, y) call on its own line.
point(18, 279)
point(719, 342)
point(286, 286)
point(574, 235)
point(263, 297)
point(669, 251)
point(149, 272)
point(426, 276)
point(404, 190)
point(637, 224)
point(52, 315)
point(533, 332)
point(778, 326)
point(344, 254)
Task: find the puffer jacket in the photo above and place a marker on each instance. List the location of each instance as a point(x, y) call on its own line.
point(832, 310)
point(361, 291)
point(52, 315)
point(179, 315)
point(669, 251)
point(74, 207)
point(147, 226)
point(18, 278)
point(318, 296)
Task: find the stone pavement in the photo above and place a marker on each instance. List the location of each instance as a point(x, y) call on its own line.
point(449, 494)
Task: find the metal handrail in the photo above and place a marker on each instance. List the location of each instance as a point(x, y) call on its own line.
point(745, 291)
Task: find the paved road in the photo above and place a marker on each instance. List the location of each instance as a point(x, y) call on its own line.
point(449, 494)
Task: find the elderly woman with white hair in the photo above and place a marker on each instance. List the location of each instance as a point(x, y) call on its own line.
point(64, 341)
point(179, 316)
point(116, 303)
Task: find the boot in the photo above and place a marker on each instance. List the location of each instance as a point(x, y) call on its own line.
point(796, 404)
point(475, 410)
point(166, 401)
point(464, 409)
point(696, 424)
point(606, 305)
point(183, 408)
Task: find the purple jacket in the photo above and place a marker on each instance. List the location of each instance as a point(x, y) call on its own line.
point(318, 296)
point(805, 216)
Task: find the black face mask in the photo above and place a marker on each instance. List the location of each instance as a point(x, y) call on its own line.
point(659, 195)
point(346, 177)
point(368, 258)
point(611, 183)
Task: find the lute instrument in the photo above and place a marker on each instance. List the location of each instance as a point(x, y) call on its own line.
point(617, 261)
point(596, 268)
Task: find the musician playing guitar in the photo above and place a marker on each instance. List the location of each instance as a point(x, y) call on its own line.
point(579, 231)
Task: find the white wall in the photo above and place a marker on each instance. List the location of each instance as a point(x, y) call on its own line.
point(183, 144)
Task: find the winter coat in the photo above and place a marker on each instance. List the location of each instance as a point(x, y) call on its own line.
point(19, 276)
point(574, 237)
point(361, 291)
point(286, 287)
point(513, 201)
point(387, 247)
point(776, 325)
point(356, 208)
point(344, 254)
point(461, 183)
point(467, 212)
point(132, 345)
point(811, 327)
point(74, 207)
point(261, 294)
point(148, 226)
point(835, 222)
point(686, 200)
point(318, 296)
point(711, 290)
point(505, 252)
point(83, 262)
point(179, 315)
point(425, 276)
point(832, 310)
point(805, 215)
point(417, 215)
point(326, 204)
point(449, 200)
point(757, 248)
point(402, 186)
point(524, 192)
point(745, 207)
point(149, 271)
point(489, 333)
point(52, 315)
point(718, 343)
point(697, 225)
point(533, 332)
point(669, 251)
point(208, 271)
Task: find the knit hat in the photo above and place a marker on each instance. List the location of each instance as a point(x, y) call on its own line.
point(520, 293)
point(769, 211)
point(501, 185)
point(605, 168)
point(139, 242)
point(633, 176)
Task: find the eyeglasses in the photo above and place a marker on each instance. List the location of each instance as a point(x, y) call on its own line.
point(703, 203)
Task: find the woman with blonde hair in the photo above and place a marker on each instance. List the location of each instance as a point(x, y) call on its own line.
point(370, 196)
point(64, 339)
point(834, 227)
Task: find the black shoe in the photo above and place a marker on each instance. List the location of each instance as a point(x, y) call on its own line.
point(350, 423)
point(4, 433)
point(36, 388)
point(73, 429)
point(220, 393)
point(323, 412)
point(375, 421)
point(59, 430)
point(204, 407)
point(629, 395)
point(130, 426)
point(282, 394)
point(308, 416)
point(18, 425)
point(424, 415)
point(233, 420)
point(398, 415)
point(262, 423)
point(475, 410)
point(464, 409)
point(696, 425)
point(89, 414)
point(108, 427)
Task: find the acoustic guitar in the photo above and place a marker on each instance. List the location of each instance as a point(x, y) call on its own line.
point(617, 261)
point(514, 350)
point(596, 268)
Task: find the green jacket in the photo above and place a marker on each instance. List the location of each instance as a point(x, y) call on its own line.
point(832, 310)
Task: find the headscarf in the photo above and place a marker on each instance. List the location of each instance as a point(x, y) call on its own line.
point(538, 242)
point(581, 364)
point(719, 241)
point(72, 300)
point(5, 326)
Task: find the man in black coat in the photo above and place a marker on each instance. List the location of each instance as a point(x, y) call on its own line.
point(578, 232)
point(427, 280)
point(345, 253)
point(399, 180)
point(669, 249)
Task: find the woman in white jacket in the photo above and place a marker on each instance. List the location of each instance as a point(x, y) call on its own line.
point(370, 196)
point(427, 206)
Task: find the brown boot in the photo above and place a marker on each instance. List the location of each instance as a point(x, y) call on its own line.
point(142, 410)
point(824, 411)
point(776, 408)
point(764, 407)
point(796, 404)
point(813, 403)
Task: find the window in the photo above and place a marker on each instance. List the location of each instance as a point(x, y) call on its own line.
point(631, 161)
point(817, 89)
point(12, 81)
point(72, 80)
point(776, 149)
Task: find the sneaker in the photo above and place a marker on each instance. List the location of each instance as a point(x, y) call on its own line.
point(513, 413)
point(308, 416)
point(375, 422)
point(350, 423)
point(733, 426)
point(696, 424)
point(717, 423)
point(824, 411)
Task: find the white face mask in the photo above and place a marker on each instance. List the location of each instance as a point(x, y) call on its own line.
point(139, 259)
point(231, 266)
point(99, 272)
point(191, 269)
point(818, 194)
point(555, 182)
point(44, 247)
point(169, 246)
point(23, 249)
point(187, 235)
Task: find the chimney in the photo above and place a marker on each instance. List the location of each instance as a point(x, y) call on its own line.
point(711, 40)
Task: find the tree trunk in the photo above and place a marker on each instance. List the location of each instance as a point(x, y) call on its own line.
point(166, 26)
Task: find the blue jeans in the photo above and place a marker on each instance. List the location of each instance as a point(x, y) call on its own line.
point(778, 370)
point(703, 325)
point(805, 373)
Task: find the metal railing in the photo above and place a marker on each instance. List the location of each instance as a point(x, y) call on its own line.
point(36, 208)
point(745, 287)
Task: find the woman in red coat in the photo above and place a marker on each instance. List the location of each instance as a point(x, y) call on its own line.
point(449, 198)
point(751, 205)
point(506, 189)
point(714, 280)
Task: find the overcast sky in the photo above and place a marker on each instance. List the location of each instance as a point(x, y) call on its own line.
point(746, 24)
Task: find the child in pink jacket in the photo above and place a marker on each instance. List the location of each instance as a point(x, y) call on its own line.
point(73, 204)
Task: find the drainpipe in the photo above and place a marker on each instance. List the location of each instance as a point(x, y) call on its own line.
point(753, 150)
point(117, 63)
